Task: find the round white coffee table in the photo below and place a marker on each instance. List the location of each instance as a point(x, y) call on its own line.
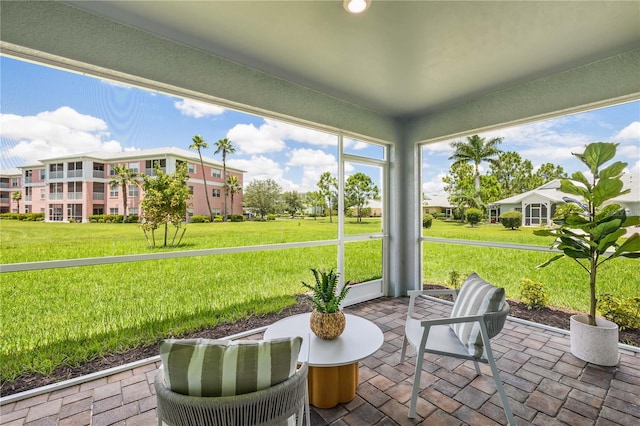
point(333, 364)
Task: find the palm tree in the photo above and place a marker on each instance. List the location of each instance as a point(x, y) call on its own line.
point(123, 177)
point(198, 144)
point(17, 196)
point(233, 187)
point(225, 146)
point(475, 150)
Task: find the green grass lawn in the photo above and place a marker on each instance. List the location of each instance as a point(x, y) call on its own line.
point(70, 315)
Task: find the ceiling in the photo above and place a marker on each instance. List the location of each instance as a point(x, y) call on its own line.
point(399, 58)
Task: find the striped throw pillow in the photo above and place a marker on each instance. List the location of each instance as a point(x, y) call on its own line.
point(476, 297)
point(205, 367)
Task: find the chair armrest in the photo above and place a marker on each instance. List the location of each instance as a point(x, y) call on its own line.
point(413, 294)
point(450, 320)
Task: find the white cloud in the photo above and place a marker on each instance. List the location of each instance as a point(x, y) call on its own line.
point(629, 133)
point(435, 185)
point(251, 140)
point(197, 109)
point(261, 168)
point(64, 131)
point(314, 163)
point(287, 131)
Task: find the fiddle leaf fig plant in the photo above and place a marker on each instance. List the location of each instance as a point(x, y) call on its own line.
point(589, 234)
point(324, 297)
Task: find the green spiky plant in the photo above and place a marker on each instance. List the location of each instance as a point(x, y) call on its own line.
point(589, 235)
point(324, 296)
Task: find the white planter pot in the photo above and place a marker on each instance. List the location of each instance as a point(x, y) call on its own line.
point(596, 345)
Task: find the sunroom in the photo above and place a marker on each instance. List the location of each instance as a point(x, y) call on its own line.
point(399, 76)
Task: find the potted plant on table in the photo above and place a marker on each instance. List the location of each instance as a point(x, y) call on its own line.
point(589, 235)
point(327, 319)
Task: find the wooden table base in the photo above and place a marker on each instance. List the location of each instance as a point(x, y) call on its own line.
point(330, 386)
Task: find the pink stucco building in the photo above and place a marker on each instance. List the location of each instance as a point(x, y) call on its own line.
point(77, 186)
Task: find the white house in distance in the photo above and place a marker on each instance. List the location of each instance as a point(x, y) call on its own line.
point(437, 203)
point(538, 206)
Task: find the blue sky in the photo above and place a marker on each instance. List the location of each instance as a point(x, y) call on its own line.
point(46, 112)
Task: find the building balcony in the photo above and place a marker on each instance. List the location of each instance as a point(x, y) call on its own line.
point(98, 195)
point(57, 196)
point(74, 196)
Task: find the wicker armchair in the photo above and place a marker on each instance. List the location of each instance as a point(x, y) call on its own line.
point(271, 406)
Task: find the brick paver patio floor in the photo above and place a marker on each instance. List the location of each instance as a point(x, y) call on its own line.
point(546, 385)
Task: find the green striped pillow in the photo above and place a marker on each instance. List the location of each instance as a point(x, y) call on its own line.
point(205, 367)
point(476, 297)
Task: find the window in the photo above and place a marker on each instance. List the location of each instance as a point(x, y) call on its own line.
point(216, 173)
point(28, 176)
point(74, 190)
point(28, 193)
point(191, 190)
point(55, 191)
point(191, 168)
point(14, 182)
point(98, 209)
point(56, 171)
point(113, 192)
point(56, 212)
point(112, 170)
point(113, 210)
point(134, 167)
point(215, 193)
point(133, 210)
point(133, 190)
point(149, 166)
point(98, 191)
point(43, 194)
point(216, 212)
point(74, 169)
point(98, 170)
point(43, 173)
point(27, 208)
point(74, 211)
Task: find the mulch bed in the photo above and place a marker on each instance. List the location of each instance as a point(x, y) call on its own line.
point(550, 316)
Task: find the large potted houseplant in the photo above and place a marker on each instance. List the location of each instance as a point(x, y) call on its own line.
point(327, 319)
point(588, 233)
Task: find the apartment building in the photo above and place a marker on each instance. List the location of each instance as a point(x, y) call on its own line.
point(10, 182)
point(77, 186)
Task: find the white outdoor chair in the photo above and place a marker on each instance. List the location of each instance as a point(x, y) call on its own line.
point(278, 404)
point(478, 314)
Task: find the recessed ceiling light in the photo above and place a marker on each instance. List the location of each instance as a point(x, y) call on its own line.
point(356, 6)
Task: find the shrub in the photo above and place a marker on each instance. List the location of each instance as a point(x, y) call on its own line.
point(133, 218)
point(511, 220)
point(217, 218)
point(474, 216)
point(236, 218)
point(533, 294)
point(624, 312)
point(439, 215)
point(427, 220)
point(200, 219)
point(454, 279)
point(271, 216)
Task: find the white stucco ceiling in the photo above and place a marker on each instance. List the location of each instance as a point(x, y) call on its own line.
point(398, 58)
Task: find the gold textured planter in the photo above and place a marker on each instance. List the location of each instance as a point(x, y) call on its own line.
point(327, 326)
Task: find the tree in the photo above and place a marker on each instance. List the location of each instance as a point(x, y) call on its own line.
point(199, 144)
point(467, 199)
point(328, 188)
point(224, 146)
point(122, 178)
point(475, 150)
point(164, 203)
point(292, 201)
point(263, 196)
point(314, 199)
point(514, 176)
point(232, 185)
point(358, 190)
point(548, 172)
point(474, 216)
point(17, 196)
